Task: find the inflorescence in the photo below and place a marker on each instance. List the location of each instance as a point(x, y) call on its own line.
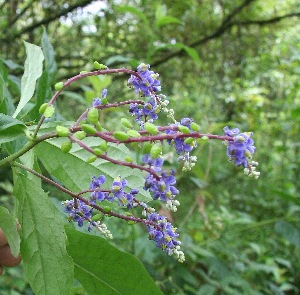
point(161, 184)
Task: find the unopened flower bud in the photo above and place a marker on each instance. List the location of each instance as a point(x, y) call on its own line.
point(125, 122)
point(195, 127)
point(88, 129)
point(119, 135)
point(62, 131)
point(80, 135)
point(49, 111)
point(103, 146)
point(155, 150)
point(151, 128)
point(93, 116)
point(133, 133)
point(91, 159)
point(43, 108)
point(59, 86)
point(184, 129)
point(99, 66)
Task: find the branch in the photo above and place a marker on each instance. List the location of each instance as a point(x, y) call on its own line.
point(52, 18)
point(225, 25)
point(266, 21)
point(21, 13)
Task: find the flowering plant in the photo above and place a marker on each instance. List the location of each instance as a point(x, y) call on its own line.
point(89, 162)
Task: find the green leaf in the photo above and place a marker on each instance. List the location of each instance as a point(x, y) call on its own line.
point(43, 89)
point(6, 104)
point(288, 231)
point(33, 70)
point(73, 171)
point(103, 269)
point(10, 128)
point(162, 19)
point(9, 226)
point(133, 10)
point(47, 265)
point(165, 20)
point(1, 89)
point(100, 82)
point(189, 50)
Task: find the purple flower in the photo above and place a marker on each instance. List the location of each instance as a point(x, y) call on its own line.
point(180, 146)
point(78, 212)
point(163, 188)
point(118, 193)
point(104, 93)
point(148, 83)
point(146, 112)
point(241, 148)
point(162, 232)
point(97, 102)
point(155, 164)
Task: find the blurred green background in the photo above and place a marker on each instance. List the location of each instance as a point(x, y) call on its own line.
point(221, 62)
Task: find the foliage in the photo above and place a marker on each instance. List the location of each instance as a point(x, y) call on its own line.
point(223, 63)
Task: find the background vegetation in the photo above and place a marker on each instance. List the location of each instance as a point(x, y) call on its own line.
point(223, 62)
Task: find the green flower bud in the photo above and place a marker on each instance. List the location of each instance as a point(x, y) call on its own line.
point(103, 146)
point(151, 128)
point(49, 111)
point(66, 146)
point(88, 129)
point(99, 66)
point(93, 115)
point(106, 209)
point(155, 150)
point(195, 127)
point(147, 147)
point(184, 129)
point(133, 133)
point(91, 159)
point(119, 135)
point(247, 154)
point(80, 135)
point(97, 217)
point(204, 138)
point(98, 152)
point(59, 86)
point(62, 131)
point(43, 108)
point(189, 140)
point(98, 126)
point(131, 222)
point(126, 123)
point(104, 100)
point(128, 159)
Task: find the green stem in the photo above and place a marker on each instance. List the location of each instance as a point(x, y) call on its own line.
point(28, 146)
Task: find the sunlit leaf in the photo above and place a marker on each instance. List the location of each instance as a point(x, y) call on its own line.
point(103, 269)
point(10, 128)
point(8, 224)
point(48, 267)
point(33, 70)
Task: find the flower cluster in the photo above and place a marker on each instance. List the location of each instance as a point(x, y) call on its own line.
point(99, 101)
point(115, 193)
point(164, 234)
point(149, 81)
point(78, 211)
point(146, 112)
point(161, 184)
point(163, 188)
point(241, 148)
point(182, 146)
